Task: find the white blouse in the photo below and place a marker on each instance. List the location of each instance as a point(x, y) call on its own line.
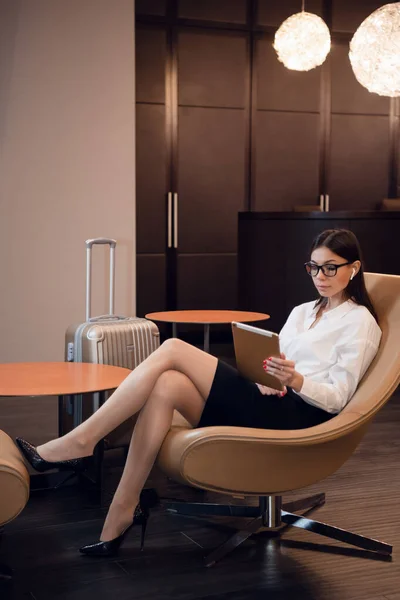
point(334, 354)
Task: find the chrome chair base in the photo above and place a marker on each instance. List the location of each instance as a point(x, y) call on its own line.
point(271, 516)
point(5, 572)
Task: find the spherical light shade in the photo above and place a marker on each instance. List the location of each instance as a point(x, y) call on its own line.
point(375, 51)
point(302, 42)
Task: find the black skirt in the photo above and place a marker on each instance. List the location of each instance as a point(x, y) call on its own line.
point(235, 401)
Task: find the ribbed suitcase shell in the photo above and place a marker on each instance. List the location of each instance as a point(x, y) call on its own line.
point(123, 342)
point(107, 340)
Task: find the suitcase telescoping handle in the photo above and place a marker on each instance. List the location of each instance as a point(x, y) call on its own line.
point(89, 245)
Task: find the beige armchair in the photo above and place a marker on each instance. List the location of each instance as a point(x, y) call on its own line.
point(14, 486)
point(268, 463)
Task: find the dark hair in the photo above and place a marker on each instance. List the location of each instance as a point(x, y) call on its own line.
point(345, 244)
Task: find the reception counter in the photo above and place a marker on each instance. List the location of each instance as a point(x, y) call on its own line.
point(273, 246)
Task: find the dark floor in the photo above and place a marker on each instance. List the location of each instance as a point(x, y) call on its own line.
point(41, 545)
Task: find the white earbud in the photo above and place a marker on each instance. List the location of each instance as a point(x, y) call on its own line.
point(352, 275)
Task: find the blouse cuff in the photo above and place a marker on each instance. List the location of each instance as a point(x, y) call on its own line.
point(307, 387)
point(310, 394)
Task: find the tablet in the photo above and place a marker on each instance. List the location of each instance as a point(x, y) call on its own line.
point(252, 346)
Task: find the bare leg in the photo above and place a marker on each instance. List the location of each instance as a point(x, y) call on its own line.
point(173, 391)
point(131, 395)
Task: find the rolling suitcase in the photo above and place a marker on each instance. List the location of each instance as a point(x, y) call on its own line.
point(107, 339)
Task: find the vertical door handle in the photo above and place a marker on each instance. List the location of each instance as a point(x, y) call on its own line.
point(175, 220)
point(321, 202)
point(169, 219)
point(327, 203)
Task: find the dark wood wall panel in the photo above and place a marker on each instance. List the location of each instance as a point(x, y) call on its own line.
point(269, 246)
point(211, 171)
point(207, 282)
point(279, 88)
point(150, 7)
point(376, 247)
point(347, 15)
point(212, 69)
point(349, 96)
point(359, 162)
point(273, 13)
point(150, 283)
point(150, 178)
point(151, 55)
point(231, 11)
point(286, 172)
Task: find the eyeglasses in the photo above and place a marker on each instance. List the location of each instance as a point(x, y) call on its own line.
point(328, 270)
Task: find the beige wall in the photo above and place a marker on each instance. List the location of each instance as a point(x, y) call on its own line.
point(67, 165)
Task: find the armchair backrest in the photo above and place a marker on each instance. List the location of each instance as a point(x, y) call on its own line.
point(383, 375)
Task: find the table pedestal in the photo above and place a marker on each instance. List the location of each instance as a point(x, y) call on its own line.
point(206, 344)
point(57, 479)
point(207, 337)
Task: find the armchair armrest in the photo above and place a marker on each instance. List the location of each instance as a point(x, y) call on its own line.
point(14, 480)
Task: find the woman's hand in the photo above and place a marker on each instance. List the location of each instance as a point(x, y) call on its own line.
point(267, 391)
point(285, 371)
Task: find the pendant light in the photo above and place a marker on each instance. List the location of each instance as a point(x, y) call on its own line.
point(303, 41)
point(375, 51)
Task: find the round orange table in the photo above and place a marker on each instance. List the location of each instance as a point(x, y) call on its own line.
point(59, 379)
point(65, 380)
point(206, 318)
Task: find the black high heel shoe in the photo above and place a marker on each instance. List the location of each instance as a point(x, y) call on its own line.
point(111, 548)
point(41, 465)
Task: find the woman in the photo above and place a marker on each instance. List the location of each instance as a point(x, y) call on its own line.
point(329, 344)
